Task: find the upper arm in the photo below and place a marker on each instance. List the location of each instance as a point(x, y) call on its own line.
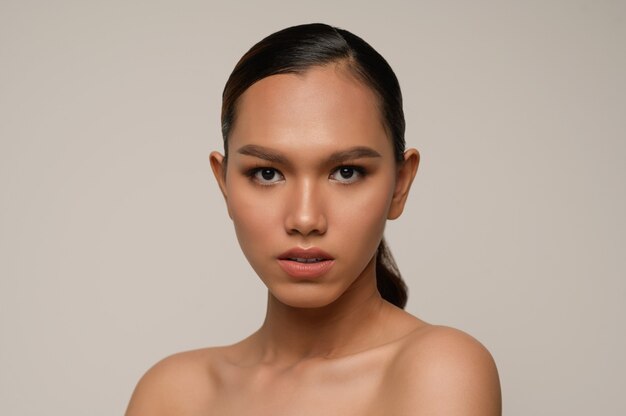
point(170, 387)
point(147, 397)
point(446, 372)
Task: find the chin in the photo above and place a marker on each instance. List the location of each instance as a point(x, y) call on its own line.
point(306, 296)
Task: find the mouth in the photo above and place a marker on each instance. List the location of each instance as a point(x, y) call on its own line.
point(305, 255)
point(305, 263)
point(305, 260)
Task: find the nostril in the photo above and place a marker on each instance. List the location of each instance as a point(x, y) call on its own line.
point(306, 225)
point(305, 210)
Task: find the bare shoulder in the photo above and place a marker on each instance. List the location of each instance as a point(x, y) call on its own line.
point(182, 383)
point(444, 371)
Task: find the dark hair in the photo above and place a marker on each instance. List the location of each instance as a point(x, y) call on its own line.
point(298, 48)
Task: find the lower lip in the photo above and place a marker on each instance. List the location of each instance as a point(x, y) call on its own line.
point(306, 270)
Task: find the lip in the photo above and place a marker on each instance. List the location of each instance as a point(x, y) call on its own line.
point(305, 270)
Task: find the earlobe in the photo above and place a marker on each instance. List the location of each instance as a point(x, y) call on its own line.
point(404, 178)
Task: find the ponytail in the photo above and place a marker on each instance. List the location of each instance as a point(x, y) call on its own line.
point(390, 284)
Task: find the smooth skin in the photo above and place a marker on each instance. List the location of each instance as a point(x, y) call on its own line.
point(311, 164)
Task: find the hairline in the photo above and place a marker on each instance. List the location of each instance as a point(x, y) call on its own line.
point(346, 64)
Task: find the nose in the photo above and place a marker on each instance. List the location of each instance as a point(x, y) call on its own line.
point(305, 210)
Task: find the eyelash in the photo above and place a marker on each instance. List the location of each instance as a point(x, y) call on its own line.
point(361, 173)
point(252, 173)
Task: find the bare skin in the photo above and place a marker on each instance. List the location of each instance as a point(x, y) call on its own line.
point(329, 345)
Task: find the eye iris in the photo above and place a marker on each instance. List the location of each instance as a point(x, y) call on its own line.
point(267, 174)
point(346, 173)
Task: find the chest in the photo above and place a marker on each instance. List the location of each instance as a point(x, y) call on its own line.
point(339, 388)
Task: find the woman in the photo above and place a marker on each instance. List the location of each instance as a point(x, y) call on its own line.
point(314, 165)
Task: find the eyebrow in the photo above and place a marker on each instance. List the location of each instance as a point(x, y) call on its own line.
point(261, 152)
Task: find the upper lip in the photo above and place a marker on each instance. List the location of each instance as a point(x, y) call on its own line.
point(305, 253)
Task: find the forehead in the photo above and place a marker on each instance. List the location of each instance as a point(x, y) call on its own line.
point(322, 107)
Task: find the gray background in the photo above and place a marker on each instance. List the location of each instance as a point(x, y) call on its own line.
point(115, 246)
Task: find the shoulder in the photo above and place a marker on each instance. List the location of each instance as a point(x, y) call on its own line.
point(444, 371)
point(176, 384)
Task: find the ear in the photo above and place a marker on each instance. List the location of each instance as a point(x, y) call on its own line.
point(404, 178)
point(218, 166)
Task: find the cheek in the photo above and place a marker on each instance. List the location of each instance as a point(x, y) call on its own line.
point(252, 216)
point(362, 214)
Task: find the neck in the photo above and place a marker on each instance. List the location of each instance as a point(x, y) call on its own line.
point(345, 326)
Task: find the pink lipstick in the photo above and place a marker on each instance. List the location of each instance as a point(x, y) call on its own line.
point(305, 263)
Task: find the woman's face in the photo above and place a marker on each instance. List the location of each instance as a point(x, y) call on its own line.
point(310, 182)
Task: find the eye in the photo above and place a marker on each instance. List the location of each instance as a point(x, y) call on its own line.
point(266, 176)
point(347, 174)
